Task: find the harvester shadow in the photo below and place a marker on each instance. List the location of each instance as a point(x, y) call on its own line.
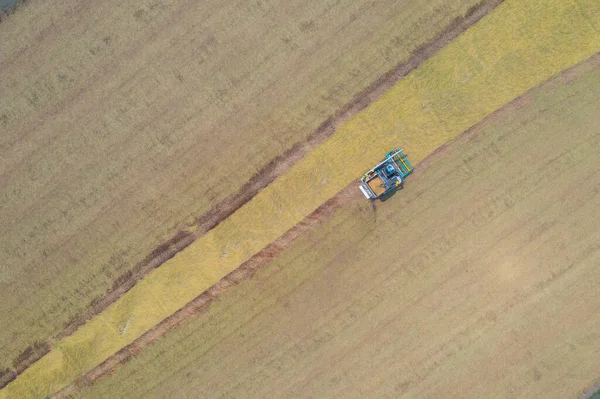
point(390, 194)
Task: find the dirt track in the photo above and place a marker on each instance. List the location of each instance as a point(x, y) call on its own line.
point(277, 167)
point(348, 196)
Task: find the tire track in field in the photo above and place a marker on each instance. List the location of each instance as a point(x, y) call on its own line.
point(262, 179)
point(347, 195)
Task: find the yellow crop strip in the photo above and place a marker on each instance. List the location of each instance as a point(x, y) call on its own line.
point(519, 45)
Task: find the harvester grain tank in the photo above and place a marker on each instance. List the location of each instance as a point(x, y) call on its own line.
point(387, 176)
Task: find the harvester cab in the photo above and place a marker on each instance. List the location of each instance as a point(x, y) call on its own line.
point(387, 176)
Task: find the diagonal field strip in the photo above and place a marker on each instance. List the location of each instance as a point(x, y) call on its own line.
point(513, 49)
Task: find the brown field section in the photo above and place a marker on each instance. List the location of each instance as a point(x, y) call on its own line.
point(123, 122)
point(479, 279)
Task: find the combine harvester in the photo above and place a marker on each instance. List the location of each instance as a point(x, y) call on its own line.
point(387, 176)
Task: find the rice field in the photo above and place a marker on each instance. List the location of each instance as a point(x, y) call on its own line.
point(477, 280)
point(513, 49)
point(123, 122)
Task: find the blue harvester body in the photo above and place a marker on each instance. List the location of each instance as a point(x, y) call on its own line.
point(387, 176)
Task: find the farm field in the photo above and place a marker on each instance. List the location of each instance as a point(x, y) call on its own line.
point(477, 280)
point(122, 122)
point(424, 105)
